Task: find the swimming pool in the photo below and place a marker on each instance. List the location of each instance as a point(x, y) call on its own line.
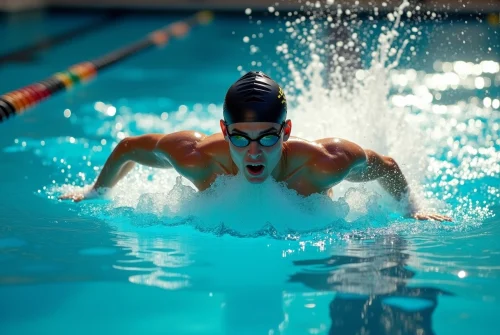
point(159, 259)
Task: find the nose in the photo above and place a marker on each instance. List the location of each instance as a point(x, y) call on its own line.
point(254, 151)
point(254, 156)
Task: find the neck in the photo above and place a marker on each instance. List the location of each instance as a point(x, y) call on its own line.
point(280, 169)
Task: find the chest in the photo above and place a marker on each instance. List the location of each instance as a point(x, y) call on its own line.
point(301, 181)
point(204, 181)
point(298, 179)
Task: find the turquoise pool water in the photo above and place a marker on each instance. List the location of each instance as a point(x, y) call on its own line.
point(158, 258)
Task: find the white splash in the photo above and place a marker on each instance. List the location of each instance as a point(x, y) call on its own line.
point(233, 206)
point(327, 104)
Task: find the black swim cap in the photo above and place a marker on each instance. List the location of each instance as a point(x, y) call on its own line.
point(255, 98)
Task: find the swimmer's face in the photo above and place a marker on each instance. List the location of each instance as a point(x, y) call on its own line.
point(256, 161)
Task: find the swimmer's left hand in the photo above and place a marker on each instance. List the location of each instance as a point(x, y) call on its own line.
point(430, 216)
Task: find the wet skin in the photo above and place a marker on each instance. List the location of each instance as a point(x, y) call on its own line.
point(306, 166)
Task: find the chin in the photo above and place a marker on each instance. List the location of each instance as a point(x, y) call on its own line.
point(256, 180)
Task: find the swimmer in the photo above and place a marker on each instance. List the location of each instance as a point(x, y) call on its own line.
point(255, 140)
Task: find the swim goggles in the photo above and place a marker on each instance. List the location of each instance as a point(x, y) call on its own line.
point(266, 140)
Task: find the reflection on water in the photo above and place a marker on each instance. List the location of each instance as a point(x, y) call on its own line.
point(375, 295)
point(159, 259)
point(232, 285)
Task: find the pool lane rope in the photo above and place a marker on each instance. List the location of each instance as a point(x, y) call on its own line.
point(18, 101)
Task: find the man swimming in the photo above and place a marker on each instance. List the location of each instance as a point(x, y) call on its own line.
point(255, 141)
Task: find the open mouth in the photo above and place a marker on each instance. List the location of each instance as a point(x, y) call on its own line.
point(255, 169)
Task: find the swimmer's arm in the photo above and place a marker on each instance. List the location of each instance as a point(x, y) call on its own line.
point(383, 169)
point(354, 164)
point(386, 171)
point(131, 150)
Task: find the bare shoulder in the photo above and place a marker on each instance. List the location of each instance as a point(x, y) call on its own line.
point(182, 147)
point(214, 145)
point(342, 149)
point(297, 146)
point(179, 141)
point(147, 141)
point(335, 155)
point(327, 147)
point(217, 148)
point(194, 149)
point(191, 139)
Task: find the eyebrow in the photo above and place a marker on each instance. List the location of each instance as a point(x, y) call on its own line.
point(262, 132)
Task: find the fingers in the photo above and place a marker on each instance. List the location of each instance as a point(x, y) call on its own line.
point(445, 218)
point(439, 217)
point(435, 217)
point(420, 217)
point(74, 197)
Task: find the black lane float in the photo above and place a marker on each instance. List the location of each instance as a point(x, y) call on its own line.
point(16, 102)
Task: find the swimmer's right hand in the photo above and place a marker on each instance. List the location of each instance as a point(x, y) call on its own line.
point(82, 195)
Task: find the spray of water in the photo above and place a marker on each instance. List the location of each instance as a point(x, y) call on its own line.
point(333, 98)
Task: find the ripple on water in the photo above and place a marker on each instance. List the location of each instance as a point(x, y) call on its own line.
point(97, 251)
point(12, 242)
